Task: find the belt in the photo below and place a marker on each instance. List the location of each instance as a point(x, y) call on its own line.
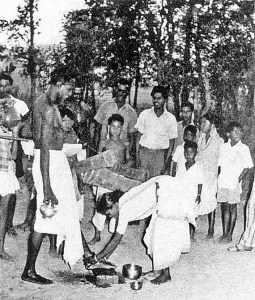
point(151, 150)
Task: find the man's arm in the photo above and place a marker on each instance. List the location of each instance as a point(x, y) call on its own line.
point(168, 156)
point(138, 162)
point(110, 247)
point(98, 128)
point(243, 174)
point(46, 133)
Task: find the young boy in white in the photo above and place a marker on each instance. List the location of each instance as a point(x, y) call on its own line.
point(234, 162)
point(178, 158)
point(191, 174)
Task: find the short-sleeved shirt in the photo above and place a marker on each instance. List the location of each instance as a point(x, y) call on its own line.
point(156, 131)
point(178, 156)
point(233, 160)
point(107, 109)
point(20, 106)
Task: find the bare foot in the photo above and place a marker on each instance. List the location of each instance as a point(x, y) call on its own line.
point(209, 236)
point(94, 241)
point(5, 256)
point(225, 240)
point(221, 239)
point(31, 276)
point(162, 278)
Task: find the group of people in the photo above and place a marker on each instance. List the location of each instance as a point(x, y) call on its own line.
point(189, 168)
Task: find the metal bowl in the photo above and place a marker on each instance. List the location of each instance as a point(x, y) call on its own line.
point(132, 271)
point(136, 285)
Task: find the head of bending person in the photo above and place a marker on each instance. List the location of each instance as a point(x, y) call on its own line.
point(108, 204)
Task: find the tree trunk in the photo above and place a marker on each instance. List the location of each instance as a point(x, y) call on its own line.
point(137, 79)
point(31, 52)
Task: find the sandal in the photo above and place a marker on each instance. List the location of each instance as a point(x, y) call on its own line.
point(239, 248)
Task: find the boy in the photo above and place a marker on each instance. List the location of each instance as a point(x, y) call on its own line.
point(189, 135)
point(121, 149)
point(234, 162)
point(187, 115)
point(191, 174)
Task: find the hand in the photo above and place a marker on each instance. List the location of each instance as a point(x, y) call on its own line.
point(198, 200)
point(49, 196)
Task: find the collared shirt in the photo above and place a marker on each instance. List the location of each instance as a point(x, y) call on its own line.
point(5, 146)
point(156, 131)
point(233, 160)
point(107, 109)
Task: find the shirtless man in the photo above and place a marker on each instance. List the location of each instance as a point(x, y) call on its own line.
point(53, 182)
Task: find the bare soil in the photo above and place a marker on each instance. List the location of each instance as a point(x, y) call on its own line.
point(209, 271)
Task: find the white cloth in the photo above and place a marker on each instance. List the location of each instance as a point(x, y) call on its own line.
point(20, 106)
point(9, 183)
point(208, 155)
point(28, 147)
point(178, 156)
point(66, 221)
point(156, 131)
point(168, 233)
point(233, 160)
point(190, 179)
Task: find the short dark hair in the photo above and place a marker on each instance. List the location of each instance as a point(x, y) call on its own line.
point(116, 117)
point(211, 117)
point(4, 76)
point(159, 89)
point(232, 125)
point(188, 104)
point(190, 144)
point(64, 111)
point(190, 128)
point(106, 201)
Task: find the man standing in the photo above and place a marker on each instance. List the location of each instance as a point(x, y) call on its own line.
point(157, 130)
point(53, 182)
point(119, 106)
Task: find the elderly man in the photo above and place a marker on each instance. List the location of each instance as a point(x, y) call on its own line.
point(157, 130)
point(53, 182)
point(118, 106)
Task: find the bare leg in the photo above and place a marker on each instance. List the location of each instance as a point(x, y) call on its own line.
point(87, 251)
point(53, 245)
point(225, 217)
point(163, 277)
point(29, 220)
point(96, 238)
point(4, 204)
point(211, 221)
point(11, 209)
point(29, 274)
point(233, 217)
point(192, 233)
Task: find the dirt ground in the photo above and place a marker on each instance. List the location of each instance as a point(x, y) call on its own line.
point(207, 272)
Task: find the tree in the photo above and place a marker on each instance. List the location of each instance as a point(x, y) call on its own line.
point(24, 28)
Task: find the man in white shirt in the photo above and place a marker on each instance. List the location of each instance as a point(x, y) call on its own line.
point(157, 130)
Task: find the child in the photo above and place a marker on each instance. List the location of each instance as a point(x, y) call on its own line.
point(121, 150)
point(189, 135)
point(234, 162)
point(209, 144)
point(190, 174)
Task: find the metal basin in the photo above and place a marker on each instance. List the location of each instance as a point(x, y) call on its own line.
point(136, 285)
point(132, 271)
